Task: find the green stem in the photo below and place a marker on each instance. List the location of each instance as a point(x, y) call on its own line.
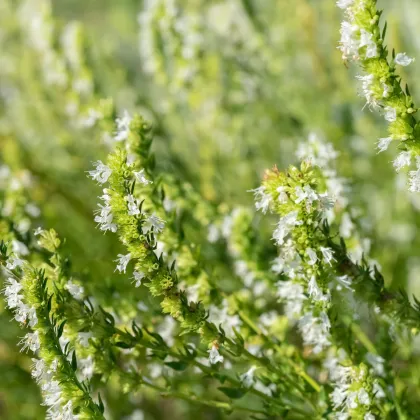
point(195, 399)
point(254, 391)
point(363, 338)
point(295, 366)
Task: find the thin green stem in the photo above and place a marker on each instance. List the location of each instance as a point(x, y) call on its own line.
point(296, 367)
point(199, 400)
point(363, 338)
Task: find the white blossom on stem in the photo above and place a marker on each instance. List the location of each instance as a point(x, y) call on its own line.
point(122, 261)
point(154, 222)
point(403, 59)
point(215, 356)
point(123, 127)
point(403, 159)
point(138, 277)
point(262, 199)
point(141, 177)
point(101, 173)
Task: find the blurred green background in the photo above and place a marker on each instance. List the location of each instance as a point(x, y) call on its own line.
point(231, 87)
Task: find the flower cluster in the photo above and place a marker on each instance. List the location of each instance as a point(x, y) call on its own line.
point(27, 296)
point(138, 231)
point(353, 392)
point(188, 290)
point(311, 267)
point(362, 40)
point(301, 259)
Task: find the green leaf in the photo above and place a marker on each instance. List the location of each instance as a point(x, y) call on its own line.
point(61, 328)
point(74, 361)
point(124, 345)
point(233, 393)
point(179, 366)
point(100, 403)
point(220, 377)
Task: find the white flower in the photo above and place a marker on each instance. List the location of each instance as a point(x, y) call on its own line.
point(39, 369)
point(213, 234)
point(338, 396)
point(292, 294)
point(23, 312)
point(403, 59)
point(363, 397)
point(267, 319)
point(64, 340)
point(13, 262)
point(132, 204)
point(390, 113)
point(167, 330)
point(343, 4)
point(284, 226)
point(11, 291)
point(91, 118)
point(31, 342)
point(282, 195)
point(403, 159)
point(101, 173)
point(369, 416)
point(346, 226)
point(83, 338)
point(32, 318)
point(122, 260)
point(141, 177)
point(247, 378)
point(300, 195)
point(378, 391)
point(377, 362)
point(313, 258)
point(87, 367)
point(123, 127)
point(32, 210)
point(67, 412)
point(327, 253)
point(277, 265)
point(366, 40)
point(168, 204)
point(367, 81)
point(315, 331)
point(344, 281)
point(318, 152)
point(138, 277)
point(262, 199)
point(19, 248)
point(214, 356)
point(311, 195)
point(51, 392)
point(220, 315)
point(383, 144)
point(154, 222)
point(75, 290)
point(313, 289)
point(387, 90)
point(414, 180)
point(306, 194)
point(349, 45)
point(104, 214)
point(38, 231)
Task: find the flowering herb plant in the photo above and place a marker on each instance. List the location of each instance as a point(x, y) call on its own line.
point(191, 299)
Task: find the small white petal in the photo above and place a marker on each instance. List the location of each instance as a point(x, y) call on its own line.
point(403, 59)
